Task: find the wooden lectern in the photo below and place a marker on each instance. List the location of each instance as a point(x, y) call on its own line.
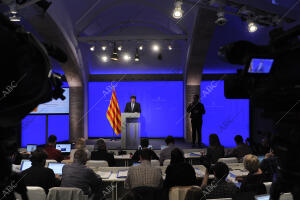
point(130, 130)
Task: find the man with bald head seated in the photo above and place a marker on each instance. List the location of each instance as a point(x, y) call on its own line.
point(80, 176)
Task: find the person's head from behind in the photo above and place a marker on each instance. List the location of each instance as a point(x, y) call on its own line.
point(80, 156)
point(52, 140)
point(195, 193)
point(220, 170)
point(196, 98)
point(177, 156)
point(145, 155)
point(214, 140)
point(100, 145)
point(238, 139)
point(251, 163)
point(38, 158)
point(170, 140)
point(144, 143)
point(80, 143)
point(133, 99)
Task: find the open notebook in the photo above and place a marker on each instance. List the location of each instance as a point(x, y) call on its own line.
point(122, 174)
point(104, 175)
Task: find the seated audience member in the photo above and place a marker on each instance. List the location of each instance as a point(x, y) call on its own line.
point(51, 150)
point(102, 154)
point(241, 148)
point(195, 193)
point(179, 173)
point(215, 149)
point(219, 187)
point(79, 176)
point(144, 174)
point(143, 193)
point(166, 153)
point(144, 145)
point(269, 166)
point(80, 144)
point(38, 174)
point(253, 182)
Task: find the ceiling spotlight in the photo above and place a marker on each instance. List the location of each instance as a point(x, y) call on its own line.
point(104, 58)
point(92, 48)
point(170, 47)
point(178, 12)
point(252, 27)
point(141, 47)
point(137, 56)
point(103, 48)
point(126, 57)
point(119, 48)
point(114, 56)
point(155, 48)
point(221, 21)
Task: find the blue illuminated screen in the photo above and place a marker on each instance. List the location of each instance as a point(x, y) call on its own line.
point(225, 117)
point(161, 105)
point(258, 65)
point(34, 128)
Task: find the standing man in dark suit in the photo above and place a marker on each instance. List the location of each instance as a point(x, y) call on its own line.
point(133, 106)
point(197, 110)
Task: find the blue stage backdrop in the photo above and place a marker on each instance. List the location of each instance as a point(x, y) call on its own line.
point(161, 104)
point(225, 117)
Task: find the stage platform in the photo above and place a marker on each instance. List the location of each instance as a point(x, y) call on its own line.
point(155, 142)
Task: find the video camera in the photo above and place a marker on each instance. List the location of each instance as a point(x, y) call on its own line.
point(271, 79)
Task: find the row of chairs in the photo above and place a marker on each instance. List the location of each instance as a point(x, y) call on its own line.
point(179, 193)
point(64, 193)
point(102, 163)
point(55, 193)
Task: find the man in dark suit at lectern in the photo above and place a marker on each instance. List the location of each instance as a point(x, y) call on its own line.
point(133, 106)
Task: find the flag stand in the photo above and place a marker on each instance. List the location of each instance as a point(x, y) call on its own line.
point(113, 136)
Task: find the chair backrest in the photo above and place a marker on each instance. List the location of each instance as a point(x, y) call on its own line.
point(155, 163)
point(228, 160)
point(286, 196)
point(178, 192)
point(49, 161)
point(33, 193)
point(166, 162)
point(96, 163)
point(66, 193)
point(268, 186)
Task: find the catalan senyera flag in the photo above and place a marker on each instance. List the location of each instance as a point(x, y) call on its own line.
point(113, 113)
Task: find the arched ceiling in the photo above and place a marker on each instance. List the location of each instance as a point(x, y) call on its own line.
point(119, 18)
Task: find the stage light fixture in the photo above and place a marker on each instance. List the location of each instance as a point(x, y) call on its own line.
point(103, 48)
point(252, 27)
point(141, 47)
point(155, 47)
point(126, 57)
point(178, 12)
point(119, 48)
point(104, 58)
point(170, 47)
point(137, 56)
point(114, 56)
point(221, 21)
point(15, 18)
point(92, 48)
